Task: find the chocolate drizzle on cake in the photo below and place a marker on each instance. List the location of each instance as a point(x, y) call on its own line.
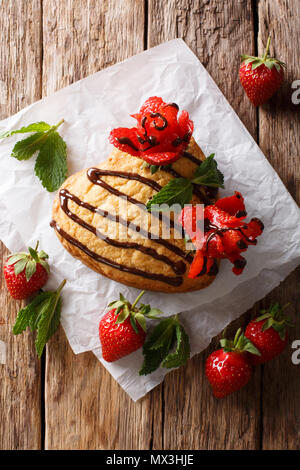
point(173, 281)
point(94, 175)
point(65, 196)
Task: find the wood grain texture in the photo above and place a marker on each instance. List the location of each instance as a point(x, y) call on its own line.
point(85, 407)
point(280, 141)
point(20, 85)
point(211, 29)
point(81, 37)
point(194, 419)
point(218, 32)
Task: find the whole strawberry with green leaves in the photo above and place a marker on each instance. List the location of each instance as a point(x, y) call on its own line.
point(26, 273)
point(122, 330)
point(261, 77)
point(229, 369)
point(268, 333)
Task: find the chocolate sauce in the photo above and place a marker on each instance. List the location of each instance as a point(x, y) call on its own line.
point(64, 196)
point(191, 157)
point(94, 174)
point(172, 281)
point(240, 263)
point(160, 116)
point(240, 214)
point(219, 231)
point(210, 192)
point(176, 142)
point(127, 141)
point(214, 269)
point(174, 105)
point(151, 140)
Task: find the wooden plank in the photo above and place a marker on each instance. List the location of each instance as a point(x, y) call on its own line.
point(280, 141)
point(20, 85)
point(218, 32)
point(85, 407)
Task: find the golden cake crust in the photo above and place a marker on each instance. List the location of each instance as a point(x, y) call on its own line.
point(97, 196)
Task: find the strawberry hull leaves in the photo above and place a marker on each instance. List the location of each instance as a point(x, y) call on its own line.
point(51, 163)
point(28, 261)
point(167, 346)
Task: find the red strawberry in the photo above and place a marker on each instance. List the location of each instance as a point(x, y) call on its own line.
point(268, 333)
point(261, 77)
point(122, 330)
point(26, 273)
point(228, 369)
point(160, 136)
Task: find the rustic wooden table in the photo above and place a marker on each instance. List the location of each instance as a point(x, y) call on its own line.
point(70, 402)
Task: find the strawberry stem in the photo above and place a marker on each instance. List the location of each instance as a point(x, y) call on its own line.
point(267, 48)
point(237, 336)
point(36, 246)
point(137, 299)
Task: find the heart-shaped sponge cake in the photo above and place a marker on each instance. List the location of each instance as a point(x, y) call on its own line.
point(96, 225)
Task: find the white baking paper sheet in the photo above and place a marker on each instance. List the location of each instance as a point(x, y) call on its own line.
point(91, 108)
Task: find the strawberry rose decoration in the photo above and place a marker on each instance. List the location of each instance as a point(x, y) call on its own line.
point(225, 234)
point(160, 137)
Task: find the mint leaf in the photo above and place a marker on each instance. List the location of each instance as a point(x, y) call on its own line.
point(48, 321)
point(180, 190)
point(177, 191)
point(182, 352)
point(43, 315)
point(51, 163)
point(157, 348)
point(162, 333)
point(154, 169)
point(23, 319)
point(27, 315)
point(208, 174)
point(35, 127)
point(24, 149)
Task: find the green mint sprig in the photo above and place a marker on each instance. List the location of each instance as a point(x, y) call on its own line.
point(41, 315)
point(180, 190)
point(51, 163)
point(167, 346)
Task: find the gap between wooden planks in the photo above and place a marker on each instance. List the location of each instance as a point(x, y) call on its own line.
point(84, 407)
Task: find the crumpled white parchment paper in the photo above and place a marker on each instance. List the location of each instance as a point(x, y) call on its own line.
point(91, 108)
